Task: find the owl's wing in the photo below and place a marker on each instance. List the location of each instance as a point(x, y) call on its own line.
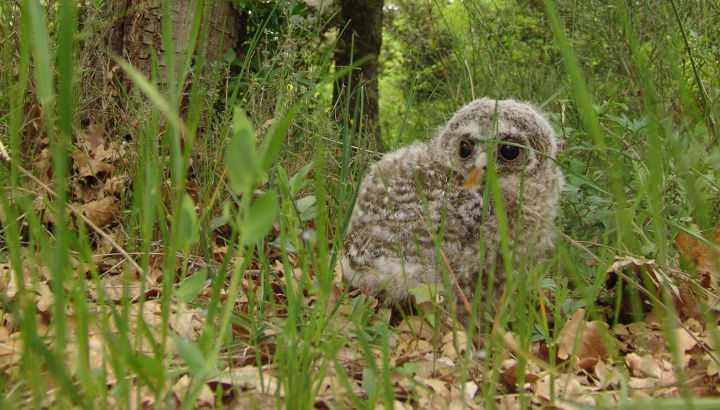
point(404, 203)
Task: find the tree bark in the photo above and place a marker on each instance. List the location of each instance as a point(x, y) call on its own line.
point(360, 37)
point(137, 32)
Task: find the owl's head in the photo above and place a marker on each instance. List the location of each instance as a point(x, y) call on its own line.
point(513, 134)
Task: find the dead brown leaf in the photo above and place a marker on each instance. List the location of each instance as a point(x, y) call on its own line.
point(248, 377)
point(705, 258)
point(100, 212)
point(587, 340)
point(649, 366)
point(10, 348)
point(416, 326)
point(91, 137)
point(454, 344)
point(87, 166)
point(205, 399)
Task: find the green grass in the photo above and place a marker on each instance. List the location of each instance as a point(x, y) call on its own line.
point(633, 90)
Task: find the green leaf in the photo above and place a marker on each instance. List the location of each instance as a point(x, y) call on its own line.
point(152, 92)
point(217, 222)
point(190, 288)
point(306, 207)
point(299, 180)
point(369, 382)
point(190, 353)
point(408, 369)
point(426, 292)
point(259, 220)
point(304, 203)
point(186, 230)
point(276, 135)
point(229, 56)
point(42, 56)
point(242, 162)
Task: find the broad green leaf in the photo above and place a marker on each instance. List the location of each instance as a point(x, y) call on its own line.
point(217, 222)
point(426, 292)
point(299, 180)
point(190, 353)
point(242, 161)
point(306, 207)
point(260, 218)
point(275, 137)
point(369, 382)
point(305, 203)
point(191, 286)
point(186, 223)
point(230, 56)
point(151, 366)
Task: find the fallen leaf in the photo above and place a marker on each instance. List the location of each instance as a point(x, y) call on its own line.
point(91, 137)
point(416, 326)
point(10, 348)
point(454, 344)
point(698, 252)
point(100, 212)
point(248, 377)
point(586, 339)
point(90, 167)
point(648, 366)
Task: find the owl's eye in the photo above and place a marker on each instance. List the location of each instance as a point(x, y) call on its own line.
point(509, 152)
point(466, 148)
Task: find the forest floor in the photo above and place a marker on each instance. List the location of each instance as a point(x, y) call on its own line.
point(424, 362)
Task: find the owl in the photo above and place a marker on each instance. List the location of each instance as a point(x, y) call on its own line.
point(425, 215)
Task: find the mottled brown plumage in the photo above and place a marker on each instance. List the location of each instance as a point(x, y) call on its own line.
point(433, 192)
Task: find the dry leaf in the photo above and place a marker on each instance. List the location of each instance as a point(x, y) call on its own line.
point(10, 348)
point(100, 212)
point(648, 366)
point(247, 377)
point(187, 322)
point(91, 137)
point(698, 252)
point(90, 167)
point(586, 339)
point(454, 344)
point(416, 326)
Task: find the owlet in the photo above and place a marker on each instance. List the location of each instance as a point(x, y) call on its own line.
point(424, 214)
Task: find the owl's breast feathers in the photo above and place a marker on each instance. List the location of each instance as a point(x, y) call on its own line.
point(406, 201)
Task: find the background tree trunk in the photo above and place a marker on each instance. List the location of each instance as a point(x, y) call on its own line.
point(360, 36)
point(137, 33)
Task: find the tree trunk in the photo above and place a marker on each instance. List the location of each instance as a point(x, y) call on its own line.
point(360, 37)
point(137, 33)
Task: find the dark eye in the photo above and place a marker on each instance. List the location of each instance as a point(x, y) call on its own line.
point(509, 152)
point(466, 148)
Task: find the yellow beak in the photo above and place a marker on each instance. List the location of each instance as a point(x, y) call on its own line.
point(476, 175)
point(474, 178)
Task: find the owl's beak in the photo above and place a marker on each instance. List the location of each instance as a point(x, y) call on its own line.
point(476, 176)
